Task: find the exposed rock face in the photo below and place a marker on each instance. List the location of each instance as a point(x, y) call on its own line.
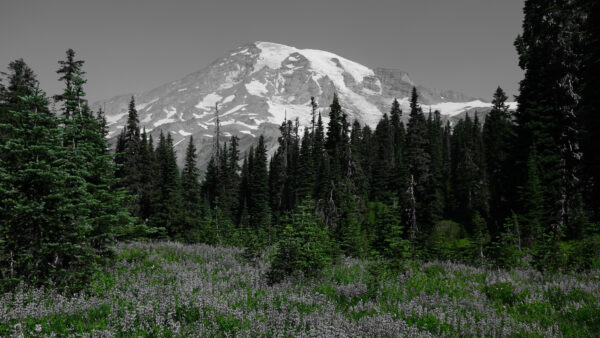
point(257, 85)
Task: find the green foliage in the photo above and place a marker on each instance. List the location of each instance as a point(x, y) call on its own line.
point(304, 248)
point(449, 241)
point(502, 293)
point(506, 251)
point(60, 203)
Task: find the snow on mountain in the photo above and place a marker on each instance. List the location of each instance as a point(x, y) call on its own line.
point(258, 85)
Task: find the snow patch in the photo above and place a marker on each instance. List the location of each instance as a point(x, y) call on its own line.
point(170, 113)
point(256, 88)
point(228, 99)
point(112, 119)
point(209, 101)
point(243, 51)
point(141, 106)
point(455, 108)
point(184, 133)
point(147, 119)
point(248, 132)
point(199, 116)
point(279, 110)
point(181, 89)
point(234, 109)
point(249, 126)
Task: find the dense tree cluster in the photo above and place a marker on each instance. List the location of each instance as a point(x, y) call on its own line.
point(60, 205)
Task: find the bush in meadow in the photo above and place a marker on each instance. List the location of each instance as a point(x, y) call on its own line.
point(304, 248)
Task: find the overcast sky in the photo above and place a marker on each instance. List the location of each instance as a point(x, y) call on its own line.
point(132, 46)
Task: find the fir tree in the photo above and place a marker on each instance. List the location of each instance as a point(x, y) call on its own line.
point(258, 207)
point(589, 108)
point(166, 202)
point(306, 176)
point(434, 190)
point(130, 173)
point(190, 184)
point(498, 136)
point(70, 69)
point(548, 53)
point(147, 176)
point(383, 163)
point(418, 158)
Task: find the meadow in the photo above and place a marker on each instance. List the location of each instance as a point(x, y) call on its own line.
point(169, 289)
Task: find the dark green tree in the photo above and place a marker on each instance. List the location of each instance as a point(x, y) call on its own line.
point(549, 49)
point(190, 183)
point(70, 70)
point(382, 166)
point(418, 160)
point(498, 136)
point(166, 203)
point(258, 201)
point(304, 248)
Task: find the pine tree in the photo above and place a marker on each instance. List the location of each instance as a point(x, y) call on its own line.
point(588, 110)
point(258, 207)
point(61, 193)
point(190, 184)
point(21, 82)
point(498, 136)
point(447, 169)
point(320, 161)
point(434, 190)
point(131, 172)
point(166, 198)
point(334, 129)
point(531, 199)
point(399, 177)
point(548, 53)
point(360, 177)
point(306, 177)
point(469, 184)
point(147, 176)
point(234, 178)
point(418, 159)
point(89, 160)
point(305, 246)
point(69, 68)
point(244, 193)
point(43, 229)
point(383, 163)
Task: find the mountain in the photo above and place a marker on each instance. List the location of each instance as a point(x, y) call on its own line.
point(257, 86)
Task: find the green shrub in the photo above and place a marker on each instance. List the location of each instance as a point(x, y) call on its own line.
point(502, 293)
point(304, 248)
point(449, 241)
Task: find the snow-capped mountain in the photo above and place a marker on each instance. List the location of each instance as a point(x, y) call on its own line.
point(258, 85)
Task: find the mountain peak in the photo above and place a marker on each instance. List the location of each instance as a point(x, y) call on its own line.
point(258, 84)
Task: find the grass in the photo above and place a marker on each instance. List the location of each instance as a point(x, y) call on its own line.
point(170, 289)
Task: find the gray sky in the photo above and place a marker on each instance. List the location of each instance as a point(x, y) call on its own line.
point(132, 46)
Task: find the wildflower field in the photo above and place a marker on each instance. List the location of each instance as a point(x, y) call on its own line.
point(174, 289)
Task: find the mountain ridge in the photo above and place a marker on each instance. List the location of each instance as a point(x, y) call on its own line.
point(257, 85)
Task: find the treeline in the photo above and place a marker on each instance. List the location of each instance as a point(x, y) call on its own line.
point(427, 189)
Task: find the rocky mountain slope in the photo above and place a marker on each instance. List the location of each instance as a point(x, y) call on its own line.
point(257, 85)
